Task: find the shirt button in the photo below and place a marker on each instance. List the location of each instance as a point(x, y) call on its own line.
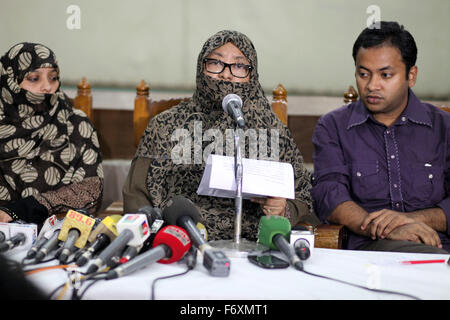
point(392, 157)
point(395, 185)
point(430, 176)
point(403, 119)
point(358, 174)
point(397, 205)
point(388, 132)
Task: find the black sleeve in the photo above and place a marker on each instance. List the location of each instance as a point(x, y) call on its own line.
point(27, 209)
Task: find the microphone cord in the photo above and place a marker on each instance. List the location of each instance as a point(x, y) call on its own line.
point(360, 286)
point(166, 277)
point(191, 261)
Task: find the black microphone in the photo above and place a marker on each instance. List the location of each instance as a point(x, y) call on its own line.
point(301, 248)
point(13, 242)
point(100, 238)
point(232, 105)
point(182, 212)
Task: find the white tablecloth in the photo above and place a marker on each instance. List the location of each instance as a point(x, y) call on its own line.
point(380, 270)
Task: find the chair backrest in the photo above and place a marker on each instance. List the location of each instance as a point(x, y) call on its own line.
point(350, 95)
point(145, 108)
point(83, 99)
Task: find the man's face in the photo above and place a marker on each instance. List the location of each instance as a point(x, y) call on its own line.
point(382, 82)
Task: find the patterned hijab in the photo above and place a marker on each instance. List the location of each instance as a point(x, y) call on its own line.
point(201, 113)
point(44, 142)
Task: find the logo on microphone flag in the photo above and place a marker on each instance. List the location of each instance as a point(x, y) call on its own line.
point(144, 228)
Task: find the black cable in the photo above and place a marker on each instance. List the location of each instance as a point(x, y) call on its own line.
point(166, 277)
point(360, 286)
point(55, 290)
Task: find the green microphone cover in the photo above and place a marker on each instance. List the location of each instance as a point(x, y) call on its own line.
point(269, 226)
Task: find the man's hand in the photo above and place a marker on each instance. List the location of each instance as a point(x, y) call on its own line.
point(381, 223)
point(417, 232)
point(4, 217)
point(272, 206)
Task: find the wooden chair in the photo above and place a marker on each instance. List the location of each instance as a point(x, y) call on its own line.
point(350, 95)
point(145, 109)
point(83, 99)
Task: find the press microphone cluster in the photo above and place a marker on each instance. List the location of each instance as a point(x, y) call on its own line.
point(169, 245)
point(100, 238)
point(182, 212)
point(133, 230)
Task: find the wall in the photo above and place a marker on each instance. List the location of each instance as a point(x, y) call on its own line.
point(304, 44)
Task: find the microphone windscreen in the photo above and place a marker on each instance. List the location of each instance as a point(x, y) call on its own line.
point(177, 239)
point(231, 97)
point(179, 206)
point(269, 226)
point(154, 213)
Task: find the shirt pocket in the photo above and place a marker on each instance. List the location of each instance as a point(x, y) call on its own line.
point(366, 181)
point(426, 184)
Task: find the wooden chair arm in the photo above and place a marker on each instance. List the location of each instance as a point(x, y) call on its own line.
point(331, 236)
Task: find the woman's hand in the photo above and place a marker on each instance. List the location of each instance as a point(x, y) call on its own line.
point(272, 206)
point(4, 217)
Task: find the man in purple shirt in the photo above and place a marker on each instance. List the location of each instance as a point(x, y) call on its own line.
point(382, 164)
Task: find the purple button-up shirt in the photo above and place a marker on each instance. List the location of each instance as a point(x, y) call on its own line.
point(404, 167)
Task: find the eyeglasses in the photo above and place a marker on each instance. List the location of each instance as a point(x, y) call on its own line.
point(238, 70)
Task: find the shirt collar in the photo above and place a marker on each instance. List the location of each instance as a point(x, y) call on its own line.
point(414, 112)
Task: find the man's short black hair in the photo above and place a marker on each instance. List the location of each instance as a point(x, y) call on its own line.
point(392, 34)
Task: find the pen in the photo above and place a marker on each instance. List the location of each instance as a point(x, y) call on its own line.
point(423, 261)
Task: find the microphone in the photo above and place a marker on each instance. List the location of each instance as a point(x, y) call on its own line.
point(17, 235)
point(100, 237)
point(301, 248)
point(232, 105)
point(182, 212)
point(170, 245)
point(15, 241)
point(133, 230)
point(74, 233)
point(48, 246)
point(274, 232)
point(49, 227)
point(2, 236)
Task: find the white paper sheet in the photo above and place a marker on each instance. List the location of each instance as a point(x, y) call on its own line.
point(259, 178)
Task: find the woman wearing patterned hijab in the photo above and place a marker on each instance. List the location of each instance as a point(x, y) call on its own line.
point(50, 159)
point(226, 64)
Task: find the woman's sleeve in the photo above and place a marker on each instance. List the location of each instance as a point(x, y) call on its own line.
point(135, 194)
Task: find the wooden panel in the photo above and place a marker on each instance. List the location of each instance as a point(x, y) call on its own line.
point(302, 129)
point(115, 133)
point(115, 129)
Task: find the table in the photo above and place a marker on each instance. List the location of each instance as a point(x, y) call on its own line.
point(381, 270)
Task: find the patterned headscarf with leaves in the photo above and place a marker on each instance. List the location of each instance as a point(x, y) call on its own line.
point(44, 142)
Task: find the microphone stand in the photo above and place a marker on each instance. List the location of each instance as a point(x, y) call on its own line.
point(238, 169)
point(238, 247)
